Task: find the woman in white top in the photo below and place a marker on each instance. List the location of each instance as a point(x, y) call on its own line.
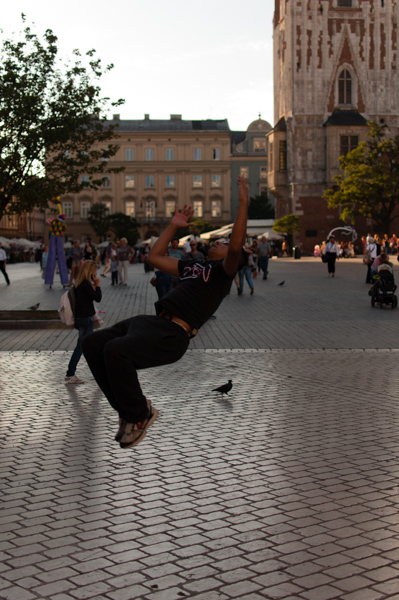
point(371, 250)
point(331, 251)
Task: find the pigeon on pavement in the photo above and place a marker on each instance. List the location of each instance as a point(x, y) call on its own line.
point(34, 307)
point(281, 283)
point(224, 389)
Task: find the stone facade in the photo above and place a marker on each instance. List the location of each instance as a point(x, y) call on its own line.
point(335, 68)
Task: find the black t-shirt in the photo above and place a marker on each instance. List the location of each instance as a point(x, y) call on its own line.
point(85, 294)
point(202, 287)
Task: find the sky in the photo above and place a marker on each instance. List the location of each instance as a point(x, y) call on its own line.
point(203, 59)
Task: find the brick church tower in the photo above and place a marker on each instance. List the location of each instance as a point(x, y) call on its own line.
point(336, 66)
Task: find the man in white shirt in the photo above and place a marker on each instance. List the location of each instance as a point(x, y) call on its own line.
point(3, 260)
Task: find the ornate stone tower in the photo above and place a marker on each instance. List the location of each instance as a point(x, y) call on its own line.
point(335, 68)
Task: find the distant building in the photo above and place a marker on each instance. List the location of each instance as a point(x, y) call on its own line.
point(335, 68)
point(166, 162)
point(249, 156)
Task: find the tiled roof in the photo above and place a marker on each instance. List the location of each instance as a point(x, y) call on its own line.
point(346, 118)
point(170, 125)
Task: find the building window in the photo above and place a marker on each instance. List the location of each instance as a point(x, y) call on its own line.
point(197, 181)
point(150, 208)
point(85, 179)
point(106, 182)
point(107, 203)
point(271, 166)
point(84, 209)
point(170, 154)
point(197, 154)
point(149, 154)
point(344, 3)
point(216, 208)
point(263, 173)
point(130, 181)
point(263, 190)
point(67, 209)
point(170, 181)
point(170, 206)
point(129, 154)
point(216, 154)
point(260, 144)
point(282, 159)
point(198, 209)
point(244, 172)
point(347, 143)
point(345, 88)
point(216, 181)
point(150, 181)
point(130, 208)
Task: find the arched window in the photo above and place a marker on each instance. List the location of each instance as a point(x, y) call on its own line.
point(345, 88)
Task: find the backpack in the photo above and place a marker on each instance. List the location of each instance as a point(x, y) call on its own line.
point(67, 307)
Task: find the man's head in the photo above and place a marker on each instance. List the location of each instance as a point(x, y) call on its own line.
point(263, 239)
point(193, 246)
point(174, 243)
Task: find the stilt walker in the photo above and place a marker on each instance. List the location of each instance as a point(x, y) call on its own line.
point(56, 249)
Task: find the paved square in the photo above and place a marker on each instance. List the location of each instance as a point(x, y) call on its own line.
point(288, 489)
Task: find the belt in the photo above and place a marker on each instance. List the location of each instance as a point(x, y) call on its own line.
point(170, 317)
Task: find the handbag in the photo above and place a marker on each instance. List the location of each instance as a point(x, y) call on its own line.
point(324, 258)
point(367, 260)
point(97, 320)
point(153, 281)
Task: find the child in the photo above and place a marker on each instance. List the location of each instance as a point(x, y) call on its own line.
point(114, 271)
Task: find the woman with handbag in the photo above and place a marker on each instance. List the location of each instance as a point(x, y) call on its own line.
point(87, 291)
point(370, 255)
point(330, 252)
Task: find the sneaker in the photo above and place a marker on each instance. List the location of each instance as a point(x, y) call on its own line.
point(73, 379)
point(134, 433)
point(121, 430)
point(252, 290)
point(239, 291)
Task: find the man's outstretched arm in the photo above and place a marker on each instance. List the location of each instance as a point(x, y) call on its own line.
point(237, 237)
point(156, 257)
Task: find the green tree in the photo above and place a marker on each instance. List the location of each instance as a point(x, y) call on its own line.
point(52, 123)
point(124, 226)
point(98, 218)
point(287, 225)
point(260, 207)
point(369, 185)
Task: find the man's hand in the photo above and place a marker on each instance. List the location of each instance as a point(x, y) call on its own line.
point(180, 219)
point(243, 191)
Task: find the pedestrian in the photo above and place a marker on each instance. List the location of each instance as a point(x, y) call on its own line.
point(246, 271)
point(114, 270)
point(115, 354)
point(369, 256)
point(3, 261)
point(331, 251)
point(88, 253)
point(44, 261)
point(194, 253)
point(264, 253)
point(87, 291)
point(123, 252)
point(174, 252)
point(107, 261)
point(75, 258)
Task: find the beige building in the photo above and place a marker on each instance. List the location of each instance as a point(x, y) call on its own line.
point(166, 162)
point(335, 68)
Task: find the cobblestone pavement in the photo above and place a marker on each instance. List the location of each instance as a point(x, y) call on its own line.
point(288, 489)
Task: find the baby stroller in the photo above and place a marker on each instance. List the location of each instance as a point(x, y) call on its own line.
point(383, 290)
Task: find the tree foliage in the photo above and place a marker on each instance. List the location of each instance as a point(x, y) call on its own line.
point(287, 225)
point(52, 122)
point(369, 184)
point(98, 219)
point(260, 207)
point(124, 226)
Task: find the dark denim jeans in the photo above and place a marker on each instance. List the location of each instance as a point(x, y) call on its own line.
point(85, 326)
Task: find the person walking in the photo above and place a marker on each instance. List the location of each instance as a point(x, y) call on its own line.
point(123, 253)
point(264, 250)
point(3, 261)
point(246, 271)
point(331, 252)
point(87, 291)
point(370, 255)
point(115, 354)
point(75, 255)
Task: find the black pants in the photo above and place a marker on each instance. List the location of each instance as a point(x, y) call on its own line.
point(331, 258)
point(3, 270)
point(115, 354)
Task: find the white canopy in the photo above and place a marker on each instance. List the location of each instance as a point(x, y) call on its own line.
point(4, 242)
point(270, 235)
point(151, 241)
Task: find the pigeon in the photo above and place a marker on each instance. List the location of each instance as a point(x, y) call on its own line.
point(34, 307)
point(223, 389)
point(281, 283)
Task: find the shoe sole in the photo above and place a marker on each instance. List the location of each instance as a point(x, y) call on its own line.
point(73, 382)
point(143, 432)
